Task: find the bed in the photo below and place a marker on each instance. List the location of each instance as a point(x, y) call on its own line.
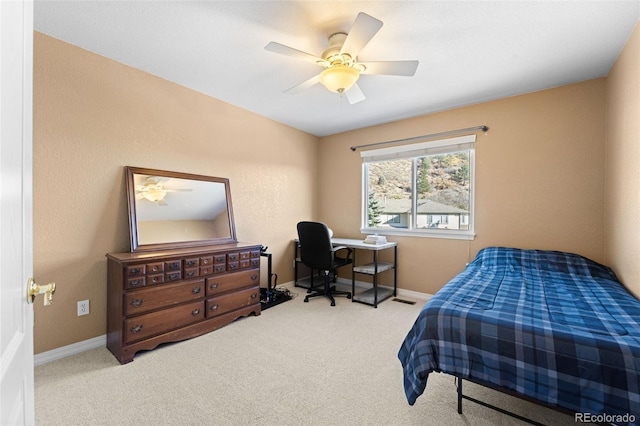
point(549, 326)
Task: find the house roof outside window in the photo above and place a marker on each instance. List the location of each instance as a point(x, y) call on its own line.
point(403, 206)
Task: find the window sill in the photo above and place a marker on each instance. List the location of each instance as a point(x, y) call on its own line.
point(422, 233)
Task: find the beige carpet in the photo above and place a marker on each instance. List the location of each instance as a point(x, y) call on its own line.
point(296, 364)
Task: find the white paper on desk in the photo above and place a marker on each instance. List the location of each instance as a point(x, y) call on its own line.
point(375, 239)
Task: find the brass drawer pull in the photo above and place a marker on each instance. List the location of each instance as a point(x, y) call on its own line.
point(254, 295)
point(191, 263)
point(213, 308)
point(195, 312)
point(136, 271)
point(136, 303)
point(213, 286)
point(195, 290)
point(137, 329)
point(135, 283)
point(254, 277)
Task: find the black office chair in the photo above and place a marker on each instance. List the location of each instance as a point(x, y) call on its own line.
point(317, 253)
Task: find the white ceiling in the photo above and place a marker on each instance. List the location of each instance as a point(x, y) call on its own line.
point(469, 51)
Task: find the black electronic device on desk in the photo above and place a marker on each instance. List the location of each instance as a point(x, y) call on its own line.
point(271, 296)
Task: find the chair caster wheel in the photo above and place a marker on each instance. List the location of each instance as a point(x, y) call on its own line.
point(333, 303)
point(306, 299)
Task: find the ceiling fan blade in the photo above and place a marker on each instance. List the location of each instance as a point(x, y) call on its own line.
point(294, 53)
point(354, 94)
point(404, 68)
point(304, 85)
point(362, 31)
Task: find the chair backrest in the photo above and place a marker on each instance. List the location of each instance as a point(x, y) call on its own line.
point(315, 245)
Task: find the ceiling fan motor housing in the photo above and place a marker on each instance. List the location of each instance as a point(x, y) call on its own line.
point(335, 45)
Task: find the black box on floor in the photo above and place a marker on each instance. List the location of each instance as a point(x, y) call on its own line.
point(273, 297)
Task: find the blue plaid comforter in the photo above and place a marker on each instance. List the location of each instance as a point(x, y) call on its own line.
point(553, 326)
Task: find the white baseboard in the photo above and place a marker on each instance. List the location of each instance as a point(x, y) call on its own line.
point(74, 348)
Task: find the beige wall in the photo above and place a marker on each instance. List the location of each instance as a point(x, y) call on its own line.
point(540, 174)
point(539, 179)
point(622, 189)
point(92, 117)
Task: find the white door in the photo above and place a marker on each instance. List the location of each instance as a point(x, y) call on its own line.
point(16, 224)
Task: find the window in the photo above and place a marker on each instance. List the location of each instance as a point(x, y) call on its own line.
point(423, 189)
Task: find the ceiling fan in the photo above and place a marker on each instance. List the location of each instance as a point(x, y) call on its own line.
point(340, 60)
point(154, 190)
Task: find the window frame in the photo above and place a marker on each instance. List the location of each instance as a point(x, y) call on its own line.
point(414, 151)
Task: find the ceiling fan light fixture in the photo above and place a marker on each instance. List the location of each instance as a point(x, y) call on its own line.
point(339, 78)
point(154, 194)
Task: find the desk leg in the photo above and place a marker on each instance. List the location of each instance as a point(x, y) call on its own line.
point(375, 278)
point(295, 264)
point(395, 271)
point(353, 276)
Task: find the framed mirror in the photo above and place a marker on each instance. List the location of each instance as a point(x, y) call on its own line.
point(172, 210)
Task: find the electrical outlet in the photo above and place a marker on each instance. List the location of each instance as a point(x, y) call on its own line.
point(83, 307)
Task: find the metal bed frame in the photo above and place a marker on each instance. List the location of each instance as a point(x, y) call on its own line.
point(461, 396)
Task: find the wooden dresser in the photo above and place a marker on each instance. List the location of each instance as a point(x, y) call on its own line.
point(171, 295)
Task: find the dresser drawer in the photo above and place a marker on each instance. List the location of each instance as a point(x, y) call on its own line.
point(136, 282)
point(228, 282)
point(172, 265)
point(136, 270)
point(149, 299)
point(191, 273)
point(173, 276)
point(155, 268)
point(192, 262)
point(158, 322)
point(155, 279)
point(206, 270)
point(232, 301)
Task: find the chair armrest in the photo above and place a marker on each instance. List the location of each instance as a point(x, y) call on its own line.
point(338, 248)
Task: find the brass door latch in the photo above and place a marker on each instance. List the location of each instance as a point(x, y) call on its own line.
point(33, 289)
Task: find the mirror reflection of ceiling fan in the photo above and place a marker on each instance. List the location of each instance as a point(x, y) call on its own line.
point(154, 190)
point(340, 60)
